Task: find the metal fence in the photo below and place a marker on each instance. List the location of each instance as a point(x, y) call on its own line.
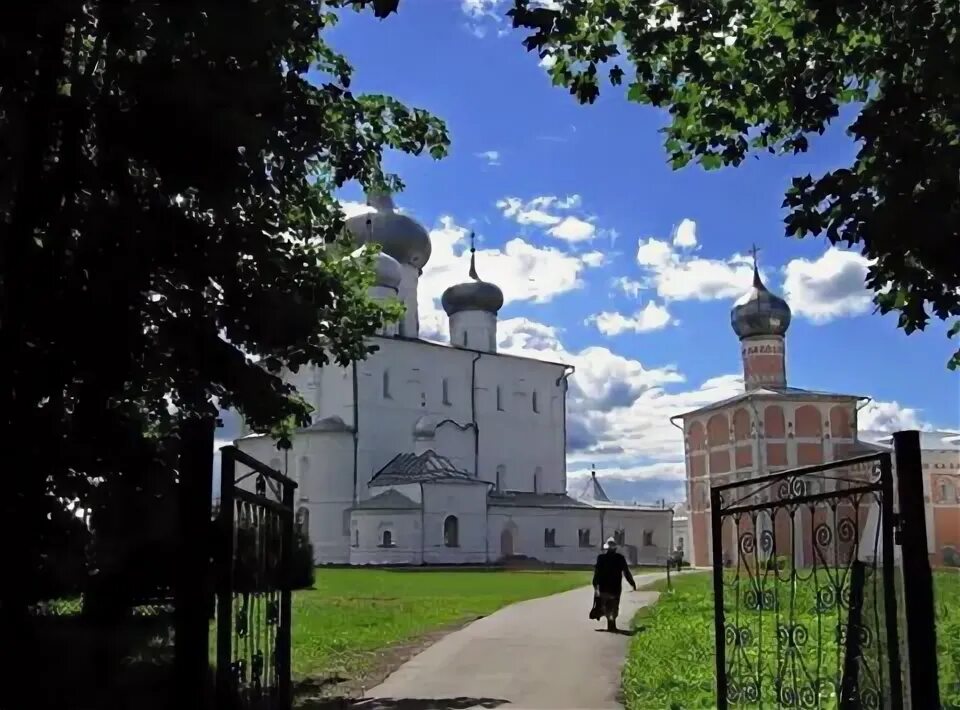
point(804, 588)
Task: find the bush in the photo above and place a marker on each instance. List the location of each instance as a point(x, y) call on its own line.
point(302, 567)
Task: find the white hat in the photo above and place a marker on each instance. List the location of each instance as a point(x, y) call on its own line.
point(610, 543)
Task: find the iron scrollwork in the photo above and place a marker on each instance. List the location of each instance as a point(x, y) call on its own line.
point(804, 594)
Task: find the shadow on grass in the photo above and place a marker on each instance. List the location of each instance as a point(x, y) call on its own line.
point(400, 703)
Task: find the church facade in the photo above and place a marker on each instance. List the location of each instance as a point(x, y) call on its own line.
point(772, 427)
point(452, 453)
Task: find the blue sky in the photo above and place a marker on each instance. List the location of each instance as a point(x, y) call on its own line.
point(562, 197)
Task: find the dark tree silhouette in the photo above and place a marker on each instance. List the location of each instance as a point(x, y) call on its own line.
point(739, 76)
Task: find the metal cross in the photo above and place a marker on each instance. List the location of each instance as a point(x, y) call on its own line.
point(754, 250)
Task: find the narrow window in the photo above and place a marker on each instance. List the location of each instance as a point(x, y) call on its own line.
point(680, 543)
point(451, 531)
point(466, 340)
point(584, 536)
point(536, 479)
point(446, 391)
point(648, 538)
point(501, 476)
point(387, 539)
point(386, 384)
point(536, 405)
point(549, 537)
point(499, 398)
point(620, 537)
point(303, 522)
point(356, 538)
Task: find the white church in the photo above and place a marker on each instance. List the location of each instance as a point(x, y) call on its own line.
point(429, 453)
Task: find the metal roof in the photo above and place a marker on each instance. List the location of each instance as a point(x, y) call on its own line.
point(769, 393)
point(428, 467)
point(388, 500)
point(592, 491)
point(521, 499)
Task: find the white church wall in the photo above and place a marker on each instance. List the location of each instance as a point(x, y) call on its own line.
point(529, 525)
point(639, 528)
point(367, 539)
point(520, 418)
point(322, 465)
point(398, 385)
point(468, 504)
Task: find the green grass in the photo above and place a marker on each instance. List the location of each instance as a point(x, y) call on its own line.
point(671, 659)
point(341, 625)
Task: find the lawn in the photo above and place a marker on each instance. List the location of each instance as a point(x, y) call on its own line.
point(342, 626)
point(671, 659)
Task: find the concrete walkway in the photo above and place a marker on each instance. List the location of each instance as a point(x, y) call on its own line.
point(542, 653)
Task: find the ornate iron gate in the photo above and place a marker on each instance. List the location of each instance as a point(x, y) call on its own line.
point(804, 588)
point(254, 566)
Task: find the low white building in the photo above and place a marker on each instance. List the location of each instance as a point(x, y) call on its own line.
point(429, 453)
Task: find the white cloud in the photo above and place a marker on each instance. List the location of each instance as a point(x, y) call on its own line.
point(547, 61)
point(829, 287)
point(628, 286)
point(492, 157)
point(653, 316)
point(594, 258)
point(685, 235)
point(573, 229)
point(679, 277)
point(352, 209)
point(888, 417)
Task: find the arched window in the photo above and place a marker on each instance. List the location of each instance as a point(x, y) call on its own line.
point(620, 537)
point(648, 538)
point(386, 538)
point(499, 398)
point(550, 537)
point(446, 391)
point(303, 522)
point(386, 384)
point(451, 531)
point(680, 543)
point(536, 404)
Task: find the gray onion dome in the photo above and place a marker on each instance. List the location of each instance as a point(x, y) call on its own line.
point(388, 273)
point(400, 236)
point(759, 312)
point(473, 295)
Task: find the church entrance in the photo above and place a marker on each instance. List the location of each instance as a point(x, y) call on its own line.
point(506, 543)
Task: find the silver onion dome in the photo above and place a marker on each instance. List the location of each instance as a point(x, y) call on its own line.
point(399, 235)
point(387, 271)
point(475, 295)
point(759, 312)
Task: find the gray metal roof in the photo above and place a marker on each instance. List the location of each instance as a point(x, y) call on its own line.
point(929, 440)
point(522, 499)
point(388, 500)
point(428, 467)
point(769, 393)
point(592, 491)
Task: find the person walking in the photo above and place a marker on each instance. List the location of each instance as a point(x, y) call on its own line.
point(608, 576)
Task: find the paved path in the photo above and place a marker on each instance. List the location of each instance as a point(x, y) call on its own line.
point(542, 653)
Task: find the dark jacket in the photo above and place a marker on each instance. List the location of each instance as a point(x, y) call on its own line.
point(609, 572)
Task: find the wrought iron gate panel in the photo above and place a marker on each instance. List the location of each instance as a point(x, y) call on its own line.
point(804, 588)
point(254, 585)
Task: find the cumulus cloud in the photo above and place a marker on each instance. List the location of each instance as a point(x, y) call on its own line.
point(352, 209)
point(653, 316)
point(888, 417)
point(678, 275)
point(553, 212)
point(685, 235)
point(629, 286)
point(829, 287)
point(573, 229)
point(617, 406)
point(491, 157)
point(523, 271)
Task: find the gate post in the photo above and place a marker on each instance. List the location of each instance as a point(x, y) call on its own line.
point(917, 577)
point(719, 625)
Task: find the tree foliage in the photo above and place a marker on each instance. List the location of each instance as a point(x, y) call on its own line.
point(739, 76)
point(169, 235)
